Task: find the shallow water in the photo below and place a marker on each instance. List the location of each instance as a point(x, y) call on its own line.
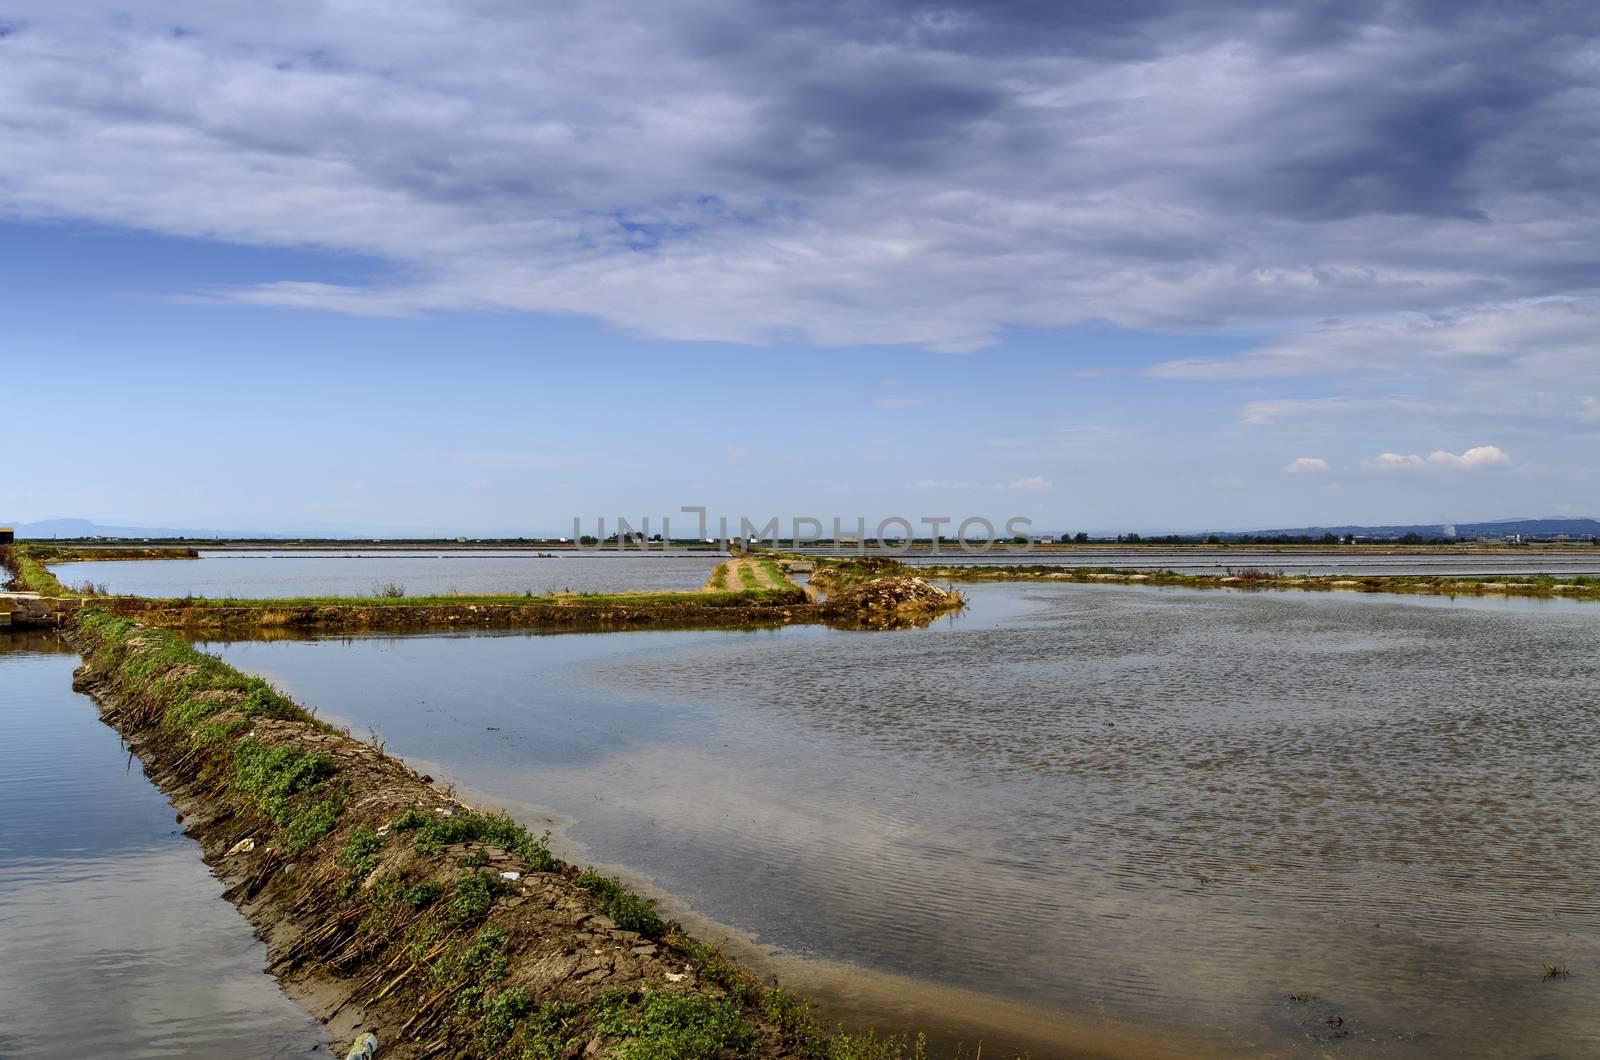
point(1566, 563)
point(114, 938)
point(1150, 807)
point(267, 574)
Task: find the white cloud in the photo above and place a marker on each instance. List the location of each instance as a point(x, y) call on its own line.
point(1031, 484)
point(1481, 456)
point(1542, 336)
point(852, 176)
point(1306, 465)
point(1476, 457)
point(1393, 462)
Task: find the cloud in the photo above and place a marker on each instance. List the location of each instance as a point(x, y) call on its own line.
point(1481, 456)
point(1476, 457)
point(841, 173)
point(1306, 465)
point(1263, 412)
point(1029, 484)
point(1544, 337)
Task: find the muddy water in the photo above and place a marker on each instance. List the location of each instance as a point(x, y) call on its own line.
point(114, 939)
point(1131, 807)
point(261, 574)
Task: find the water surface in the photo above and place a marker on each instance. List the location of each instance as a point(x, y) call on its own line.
point(1563, 563)
point(1152, 807)
point(114, 938)
point(268, 574)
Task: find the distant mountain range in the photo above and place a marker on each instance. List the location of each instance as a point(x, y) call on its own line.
point(1550, 527)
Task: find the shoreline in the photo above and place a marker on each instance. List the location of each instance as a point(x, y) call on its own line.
point(390, 905)
point(853, 996)
point(313, 907)
point(749, 593)
point(1577, 587)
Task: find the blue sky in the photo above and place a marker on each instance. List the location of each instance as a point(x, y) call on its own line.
point(475, 269)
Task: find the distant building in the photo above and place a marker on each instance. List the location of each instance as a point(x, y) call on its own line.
point(7, 535)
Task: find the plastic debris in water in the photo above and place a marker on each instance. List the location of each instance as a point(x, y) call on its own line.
point(366, 1048)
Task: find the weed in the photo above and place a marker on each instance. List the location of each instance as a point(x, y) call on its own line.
point(304, 829)
point(628, 910)
point(474, 894)
point(360, 854)
point(436, 831)
point(502, 1013)
point(545, 1032)
point(421, 895)
point(662, 1025)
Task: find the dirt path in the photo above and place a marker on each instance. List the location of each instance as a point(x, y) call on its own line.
point(733, 579)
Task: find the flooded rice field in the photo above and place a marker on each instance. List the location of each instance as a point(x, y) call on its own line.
point(262, 573)
point(1558, 562)
point(114, 938)
point(1300, 825)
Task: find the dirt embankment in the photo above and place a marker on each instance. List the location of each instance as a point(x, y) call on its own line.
point(890, 603)
point(1577, 588)
point(388, 905)
point(92, 554)
point(668, 613)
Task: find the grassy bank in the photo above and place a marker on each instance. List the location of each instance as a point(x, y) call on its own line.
point(388, 904)
point(101, 554)
point(28, 572)
point(833, 574)
point(701, 610)
point(1579, 588)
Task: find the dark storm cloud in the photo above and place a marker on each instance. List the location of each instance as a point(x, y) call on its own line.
point(847, 170)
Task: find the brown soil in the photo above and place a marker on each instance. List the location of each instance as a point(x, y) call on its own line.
point(890, 603)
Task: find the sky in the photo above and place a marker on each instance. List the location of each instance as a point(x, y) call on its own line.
point(484, 267)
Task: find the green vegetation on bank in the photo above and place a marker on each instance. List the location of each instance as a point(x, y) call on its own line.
point(752, 574)
point(737, 598)
point(201, 700)
point(1575, 587)
point(51, 553)
point(774, 572)
point(384, 883)
point(832, 574)
point(28, 572)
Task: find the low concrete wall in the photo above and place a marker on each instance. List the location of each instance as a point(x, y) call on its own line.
point(32, 610)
